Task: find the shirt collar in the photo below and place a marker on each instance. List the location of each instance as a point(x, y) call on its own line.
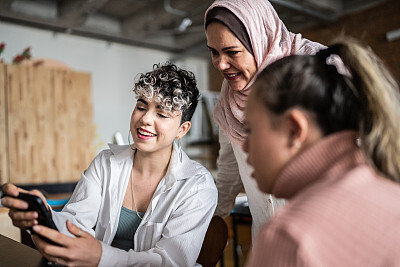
point(177, 170)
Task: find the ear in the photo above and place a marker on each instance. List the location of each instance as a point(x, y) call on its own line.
point(299, 128)
point(183, 129)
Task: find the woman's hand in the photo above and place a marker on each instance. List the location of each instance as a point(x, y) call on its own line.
point(84, 250)
point(20, 218)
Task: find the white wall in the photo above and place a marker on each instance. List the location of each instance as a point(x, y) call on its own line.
point(113, 66)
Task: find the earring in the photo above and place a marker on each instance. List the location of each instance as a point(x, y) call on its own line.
point(179, 148)
point(129, 139)
point(297, 144)
point(359, 141)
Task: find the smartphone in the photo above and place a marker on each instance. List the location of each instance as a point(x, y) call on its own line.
point(35, 203)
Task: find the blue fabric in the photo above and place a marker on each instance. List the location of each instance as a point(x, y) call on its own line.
point(57, 204)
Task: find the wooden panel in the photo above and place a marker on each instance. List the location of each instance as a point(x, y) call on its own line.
point(50, 124)
point(19, 115)
point(74, 124)
point(83, 152)
point(62, 124)
point(3, 130)
point(44, 122)
point(31, 122)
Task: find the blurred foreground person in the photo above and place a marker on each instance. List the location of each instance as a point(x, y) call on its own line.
point(330, 144)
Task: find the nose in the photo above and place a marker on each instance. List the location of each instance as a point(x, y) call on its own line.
point(221, 63)
point(147, 118)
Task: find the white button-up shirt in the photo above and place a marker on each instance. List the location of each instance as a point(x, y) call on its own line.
point(174, 225)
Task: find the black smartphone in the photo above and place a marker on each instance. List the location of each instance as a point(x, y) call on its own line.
point(35, 203)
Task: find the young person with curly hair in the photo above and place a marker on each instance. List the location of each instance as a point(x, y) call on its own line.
point(143, 204)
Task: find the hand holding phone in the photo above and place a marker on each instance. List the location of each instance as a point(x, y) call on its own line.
point(35, 203)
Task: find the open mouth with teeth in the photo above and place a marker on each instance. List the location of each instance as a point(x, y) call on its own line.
point(145, 133)
point(232, 76)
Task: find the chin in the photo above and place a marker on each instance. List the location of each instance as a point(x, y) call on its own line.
point(237, 86)
point(263, 187)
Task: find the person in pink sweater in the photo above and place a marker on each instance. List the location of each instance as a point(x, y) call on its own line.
point(328, 142)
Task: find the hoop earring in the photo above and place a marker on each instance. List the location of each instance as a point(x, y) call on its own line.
point(129, 139)
point(179, 149)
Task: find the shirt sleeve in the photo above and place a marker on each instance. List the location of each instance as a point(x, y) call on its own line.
point(182, 235)
point(228, 181)
point(83, 207)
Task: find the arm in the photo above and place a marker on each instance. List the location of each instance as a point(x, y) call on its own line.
point(83, 251)
point(228, 181)
point(83, 207)
point(86, 194)
point(181, 236)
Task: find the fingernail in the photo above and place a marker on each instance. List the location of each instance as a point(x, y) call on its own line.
point(37, 228)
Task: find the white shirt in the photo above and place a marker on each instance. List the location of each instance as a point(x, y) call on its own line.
point(174, 225)
point(233, 174)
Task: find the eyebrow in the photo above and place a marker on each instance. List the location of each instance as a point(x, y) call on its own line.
point(143, 101)
point(146, 103)
point(225, 48)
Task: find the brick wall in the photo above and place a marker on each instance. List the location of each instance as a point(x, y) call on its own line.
point(370, 27)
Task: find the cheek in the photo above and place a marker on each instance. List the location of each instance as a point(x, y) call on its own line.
point(250, 65)
point(255, 151)
point(252, 71)
point(132, 122)
point(262, 173)
point(134, 119)
point(265, 155)
point(167, 128)
point(214, 61)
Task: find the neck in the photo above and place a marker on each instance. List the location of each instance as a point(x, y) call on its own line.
point(152, 165)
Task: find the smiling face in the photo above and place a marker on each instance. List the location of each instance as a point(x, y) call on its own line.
point(266, 144)
point(229, 56)
point(153, 128)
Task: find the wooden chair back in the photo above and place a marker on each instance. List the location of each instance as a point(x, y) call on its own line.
point(214, 243)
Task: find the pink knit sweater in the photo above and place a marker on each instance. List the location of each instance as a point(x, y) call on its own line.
point(340, 212)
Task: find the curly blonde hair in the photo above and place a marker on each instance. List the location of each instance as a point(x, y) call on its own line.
point(174, 88)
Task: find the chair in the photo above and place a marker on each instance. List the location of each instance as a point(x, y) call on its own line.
point(214, 242)
point(240, 215)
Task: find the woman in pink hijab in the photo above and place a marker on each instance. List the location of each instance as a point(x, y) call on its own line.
point(244, 36)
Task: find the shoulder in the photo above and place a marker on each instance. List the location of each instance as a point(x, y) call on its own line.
point(345, 201)
point(196, 174)
point(117, 152)
point(198, 171)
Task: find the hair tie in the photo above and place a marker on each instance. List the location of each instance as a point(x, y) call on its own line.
point(323, 54)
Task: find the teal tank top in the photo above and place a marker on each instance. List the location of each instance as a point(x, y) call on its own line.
point(128, 223)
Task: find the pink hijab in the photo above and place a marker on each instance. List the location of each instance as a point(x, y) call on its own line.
point(270, 41)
